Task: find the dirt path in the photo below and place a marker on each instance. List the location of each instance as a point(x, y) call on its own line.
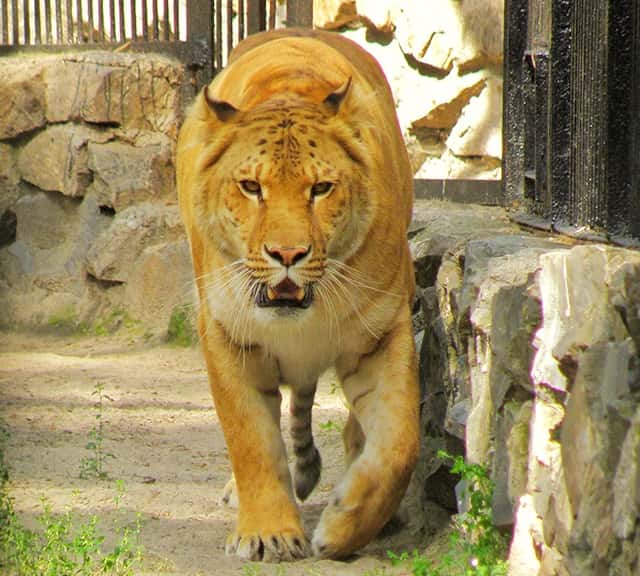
point(160, 425)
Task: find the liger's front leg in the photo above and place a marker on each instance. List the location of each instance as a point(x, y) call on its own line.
point(383, 394)
point(247, 400)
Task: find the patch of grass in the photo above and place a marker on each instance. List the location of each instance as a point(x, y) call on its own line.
point(114, 321)
point(66, 320)
point(330, 425)
point(93, 466)
point(61, 546)
point(181, 331)
point(476, 546)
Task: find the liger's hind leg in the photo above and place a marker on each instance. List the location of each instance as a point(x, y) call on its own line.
point(383, 396)
point(306, 471)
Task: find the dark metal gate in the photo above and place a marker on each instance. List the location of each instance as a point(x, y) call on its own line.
point(572, 114)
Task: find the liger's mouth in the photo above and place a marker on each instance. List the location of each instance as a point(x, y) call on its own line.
point(285, 294)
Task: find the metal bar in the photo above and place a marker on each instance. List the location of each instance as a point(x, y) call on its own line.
point(36, 21)
point(59, 39)
point(134, 20)
point(27, 23)
point(69, 22)
point(229, 29)
point(145, 21)
point(241, 16)
point(272, 14)
point(80, 22)
point(176, 20)
point(300, 13)
point(123, 31)
point(514, 96)
point(155, 20)
point(166, 32)
point(102, 33)
point(48, 36)
point(200, 34)
point(90, 38)
point(14, 21)
point(112, 20)
point(5, 23)
point(256, 16)
point(218, 36)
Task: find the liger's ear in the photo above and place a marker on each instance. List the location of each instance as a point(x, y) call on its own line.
point(334, 100)
point(223, 110)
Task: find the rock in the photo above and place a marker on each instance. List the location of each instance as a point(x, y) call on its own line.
point(56, 159)
point(113, 255)
point(42, 272)
point(161, 280)
point(523, 554)
point(626, 483)
point(439, 227)
point(22, 106)
point(429, 41)
point(478, 131)
point(445, 114)
point(482, 25)
point(124, 174)
point(585, 374)
point(9, 178)
point(333, 14)
point(130, 91)
point(379, 14)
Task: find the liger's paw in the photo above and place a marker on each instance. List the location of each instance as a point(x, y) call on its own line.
point(276, 547)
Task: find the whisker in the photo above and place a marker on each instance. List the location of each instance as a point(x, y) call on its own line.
point(357, 278)
point(335, 281)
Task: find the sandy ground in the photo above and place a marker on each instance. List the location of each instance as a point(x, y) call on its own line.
point(169, 450)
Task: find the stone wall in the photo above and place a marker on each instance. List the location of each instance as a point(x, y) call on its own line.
point(530, 365)
point(444, 63)
point(89, 220)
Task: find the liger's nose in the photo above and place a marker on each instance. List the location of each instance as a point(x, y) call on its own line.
point(287, 255)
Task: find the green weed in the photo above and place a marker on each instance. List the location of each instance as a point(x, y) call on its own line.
point(61, 546)
point(330, 425)
point(93, 466)
point(66, 320)
point(476, 547)
point(181, 331)
point(115, 320)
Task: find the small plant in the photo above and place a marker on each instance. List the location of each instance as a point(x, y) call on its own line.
point(476, 547)
point(180, 331)
point(330, 425)
point(114, 321)
point(61, 546)
point(94, 466)
point(66, 320)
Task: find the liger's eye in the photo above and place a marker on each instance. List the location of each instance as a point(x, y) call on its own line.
point(250, 188)
point(320, 189)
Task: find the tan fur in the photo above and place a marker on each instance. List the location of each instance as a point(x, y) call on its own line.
point(281, 132)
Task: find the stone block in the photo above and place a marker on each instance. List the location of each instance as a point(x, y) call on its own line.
point(478, 131)
point(9, 178)
point(429, 41)
point(379, 14)
point(22, 106)
point(124, 174)
point(578, 310)
point(334, 14)
point(161, 280)
point(626, 483)
point(133, 92)
point(113, 255)
point(56, 159)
